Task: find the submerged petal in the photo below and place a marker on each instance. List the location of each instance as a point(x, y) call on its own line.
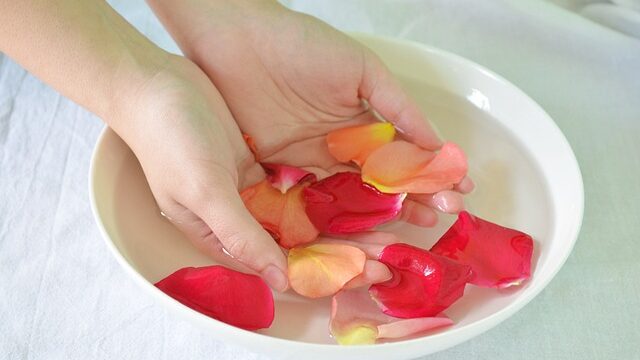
point(323, 269)
point(283, 177)
point(357, 320)
point(283, 215)
point(356, 143)
point(499, 257)
point(401, 166)
point(238, 299)
point(342, 204)
point(423, 284)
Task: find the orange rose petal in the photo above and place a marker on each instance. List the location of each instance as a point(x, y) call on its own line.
point(295, 226)
point(281, 214)
point(400, 167)
point(323, 269)
point(356, 143)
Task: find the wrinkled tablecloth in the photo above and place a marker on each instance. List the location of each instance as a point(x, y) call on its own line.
point(63, 296)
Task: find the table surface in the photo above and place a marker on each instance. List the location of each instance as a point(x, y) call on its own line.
point(62, 294)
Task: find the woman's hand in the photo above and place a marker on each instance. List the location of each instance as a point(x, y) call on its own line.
point(163, 106)
point(195, 160)
point(289, 79)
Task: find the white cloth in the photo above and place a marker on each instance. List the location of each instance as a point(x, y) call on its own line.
point(62, 295)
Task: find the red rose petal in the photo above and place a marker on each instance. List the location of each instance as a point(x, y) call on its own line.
point(400, 166)
point(238, 299)
point(357, 320)
point(342, 204)
point(281, 214)
point(283, 177)
point(423, 284)
point(499, 257)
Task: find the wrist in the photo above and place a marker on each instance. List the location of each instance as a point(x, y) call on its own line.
point(131, 85)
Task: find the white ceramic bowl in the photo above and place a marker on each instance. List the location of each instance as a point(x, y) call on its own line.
point(526, 174)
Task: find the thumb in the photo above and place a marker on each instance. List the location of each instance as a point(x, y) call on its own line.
point(386, 96)
point(241, 235)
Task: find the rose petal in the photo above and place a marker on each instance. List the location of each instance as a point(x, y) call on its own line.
point(400, 167)
point(342, 204)
point(283, 215)
point(322, 269)
point(238, 299)
point(357, 320)
point(356, 143)
point(423, 284)
point(499, 257)
point(283, 177)
point(407, 327)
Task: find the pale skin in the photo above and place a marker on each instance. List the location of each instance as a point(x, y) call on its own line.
point(284, 78)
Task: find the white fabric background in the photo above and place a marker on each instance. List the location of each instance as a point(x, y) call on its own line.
point(62, 295)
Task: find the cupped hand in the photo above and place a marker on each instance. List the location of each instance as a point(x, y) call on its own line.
point(289, 79)
point(195, 160)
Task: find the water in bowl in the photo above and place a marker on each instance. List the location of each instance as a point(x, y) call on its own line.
point(509, 191)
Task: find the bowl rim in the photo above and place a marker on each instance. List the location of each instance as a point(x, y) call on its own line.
point(466, 332)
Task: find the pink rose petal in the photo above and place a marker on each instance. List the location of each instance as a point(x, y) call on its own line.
point(499, 257)
point(283, 177)
point(423, 284)
point(238, 299)
point(342, 204)
point(357, 320)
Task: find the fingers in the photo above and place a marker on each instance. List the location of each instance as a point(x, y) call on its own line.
point(447, 201)
point(374, 272)
point(371, 248)
point(386, 96)
point(222, 209)
point(418, 214)
point(201, 236)
point(465, 186)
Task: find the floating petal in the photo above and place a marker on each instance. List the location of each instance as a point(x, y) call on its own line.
point(357, 320)
point(342, 204)
point(283, 215)
point(402, 167)
point(238, 299)
point(499, 257)
point(283, 177)
point(423, 284)
point(356, 143)
point(323, 269)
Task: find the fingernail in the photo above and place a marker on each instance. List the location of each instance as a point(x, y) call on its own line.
point(448, 202)
point(275, 278)
point(439, 202)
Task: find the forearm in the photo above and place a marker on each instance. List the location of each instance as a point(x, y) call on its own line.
point(82, 48)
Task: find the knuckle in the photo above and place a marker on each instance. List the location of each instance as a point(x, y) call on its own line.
point(237, 246)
